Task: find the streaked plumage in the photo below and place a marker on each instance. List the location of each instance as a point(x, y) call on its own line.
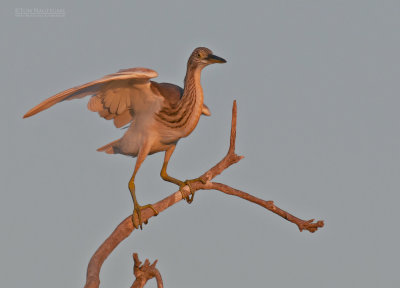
point(158, 114)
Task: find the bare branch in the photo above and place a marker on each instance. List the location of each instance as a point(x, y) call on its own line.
point(302, 224)
point(125, 228)
point(145, 272)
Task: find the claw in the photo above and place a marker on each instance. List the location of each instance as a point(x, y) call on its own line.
point(138, 210)
point(189, 199)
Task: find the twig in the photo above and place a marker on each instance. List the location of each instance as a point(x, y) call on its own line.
point(145, 272)
point(125, 228)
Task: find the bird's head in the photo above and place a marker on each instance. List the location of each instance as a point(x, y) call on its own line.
point(201, 57)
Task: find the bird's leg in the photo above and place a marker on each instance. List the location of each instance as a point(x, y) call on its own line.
point(137, 208)
point(180, 183)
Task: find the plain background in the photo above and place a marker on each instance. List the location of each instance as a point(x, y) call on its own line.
point(317, 85)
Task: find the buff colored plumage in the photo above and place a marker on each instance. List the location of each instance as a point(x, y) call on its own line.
point(158, 114)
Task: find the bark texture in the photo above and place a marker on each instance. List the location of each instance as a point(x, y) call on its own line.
point(125, 228)
point(145, 272)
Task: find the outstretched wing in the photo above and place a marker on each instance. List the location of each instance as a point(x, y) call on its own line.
point(116, 96)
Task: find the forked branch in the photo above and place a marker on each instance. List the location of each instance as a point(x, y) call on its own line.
point(145, 272)
point(125, 228)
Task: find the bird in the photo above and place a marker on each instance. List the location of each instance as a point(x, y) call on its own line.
point(156, 115)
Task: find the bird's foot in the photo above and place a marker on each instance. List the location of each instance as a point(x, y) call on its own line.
point(189, 198)
point(138, 211)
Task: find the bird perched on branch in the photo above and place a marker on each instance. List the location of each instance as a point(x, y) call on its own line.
point(158, 114)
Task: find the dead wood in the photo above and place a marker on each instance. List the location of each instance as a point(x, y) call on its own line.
point(125, 228)
point(145, 272)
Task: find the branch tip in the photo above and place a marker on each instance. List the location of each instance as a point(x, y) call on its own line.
point(145, 272)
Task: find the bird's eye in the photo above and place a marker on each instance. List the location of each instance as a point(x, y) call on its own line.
point(198, 55)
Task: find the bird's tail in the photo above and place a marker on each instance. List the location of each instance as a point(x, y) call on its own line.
point(110, 148)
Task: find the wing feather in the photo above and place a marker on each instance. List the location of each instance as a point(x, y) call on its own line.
point(117, 96)
point(114, 98)
point(123, 119)
point(111, 94)
point(109, 117)
point(95, 104)
point(121, 106)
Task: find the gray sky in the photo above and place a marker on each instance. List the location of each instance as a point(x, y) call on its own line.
point(317, 88)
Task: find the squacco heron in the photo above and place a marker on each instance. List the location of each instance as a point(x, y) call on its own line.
point(158, 114)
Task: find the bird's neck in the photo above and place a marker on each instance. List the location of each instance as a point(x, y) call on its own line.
point(185, 115)
point(192, 98)
point(192, 87)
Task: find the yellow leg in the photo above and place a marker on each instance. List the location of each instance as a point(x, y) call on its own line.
point(137, 208)
point(180, 183)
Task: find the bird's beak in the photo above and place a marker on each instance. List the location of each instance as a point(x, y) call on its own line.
point(215, 59)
